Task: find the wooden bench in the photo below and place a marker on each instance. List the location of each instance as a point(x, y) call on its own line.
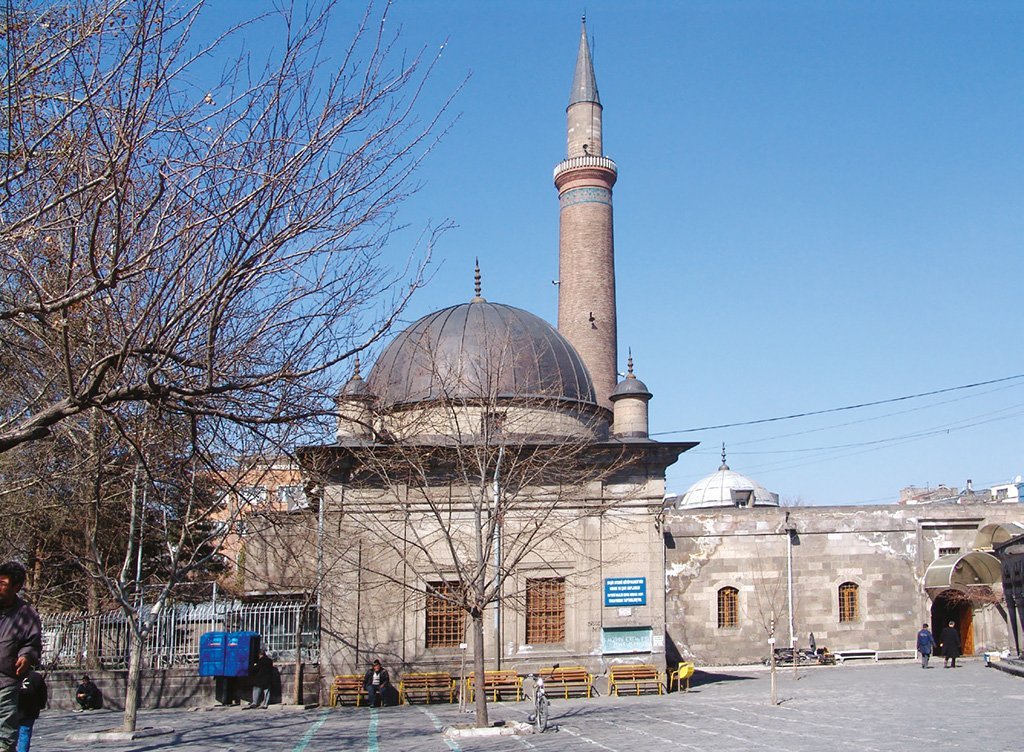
point(848, 655)
point(436, 685)
point(348, 686)
point(567, 681)
point(683, 673)
point(497, 685)
point(640, 676)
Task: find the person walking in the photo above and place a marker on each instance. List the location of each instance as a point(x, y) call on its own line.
point(21, 643)
point(262, 674)
point(949, 641)
point(376, 682)
point(31, 700)
point(925, 644)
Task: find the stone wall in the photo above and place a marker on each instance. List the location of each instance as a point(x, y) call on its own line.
point(884, 550)
point(176, 687)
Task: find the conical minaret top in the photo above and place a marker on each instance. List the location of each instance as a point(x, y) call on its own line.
point(584, 83)
point(586, 254)
point(584, 110)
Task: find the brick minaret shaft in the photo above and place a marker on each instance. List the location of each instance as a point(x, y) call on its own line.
point(586, 253)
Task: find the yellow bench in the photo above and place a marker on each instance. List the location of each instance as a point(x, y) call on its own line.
point(640, 676)
point(436, 684)
point(347, 686)
point(682, 674)
point(567, 681)
point(497, 684)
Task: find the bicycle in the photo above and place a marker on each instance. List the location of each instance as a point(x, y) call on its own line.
point(539, 718)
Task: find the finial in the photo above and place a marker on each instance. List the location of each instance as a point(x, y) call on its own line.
point(724, 466)
point(477, 298)
point(629, 365)
point(356, 374)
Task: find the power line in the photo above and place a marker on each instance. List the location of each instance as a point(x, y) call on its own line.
point(841, 409)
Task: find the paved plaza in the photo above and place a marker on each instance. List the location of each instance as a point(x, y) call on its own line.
point(865, 707)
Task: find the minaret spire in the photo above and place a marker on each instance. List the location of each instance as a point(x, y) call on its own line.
point(586, 254)
point(584, 83)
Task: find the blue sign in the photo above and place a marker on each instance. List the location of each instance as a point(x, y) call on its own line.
point(625, 591)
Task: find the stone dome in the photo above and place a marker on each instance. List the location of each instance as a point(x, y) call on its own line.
point(480, 350)
point(726, 488)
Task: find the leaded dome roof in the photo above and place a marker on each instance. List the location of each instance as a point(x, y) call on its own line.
point(727, 488)
point(480, 350)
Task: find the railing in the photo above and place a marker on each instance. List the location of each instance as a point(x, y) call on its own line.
point(173, 639)
point(574, 163)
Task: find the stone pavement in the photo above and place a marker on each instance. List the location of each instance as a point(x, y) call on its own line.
point(859, 707)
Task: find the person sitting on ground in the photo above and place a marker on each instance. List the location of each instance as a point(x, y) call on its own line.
point(262, 674)
point(376, 682)
point(88, 695)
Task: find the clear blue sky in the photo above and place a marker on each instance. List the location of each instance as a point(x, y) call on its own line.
point(819, 204)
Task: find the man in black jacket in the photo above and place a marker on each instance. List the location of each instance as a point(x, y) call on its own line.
point(376, 682)
point(20, 645)
point(262, 674)
point(88, 695)
point(950, 642)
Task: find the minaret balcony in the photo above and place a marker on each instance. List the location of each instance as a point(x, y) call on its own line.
point(588, 161)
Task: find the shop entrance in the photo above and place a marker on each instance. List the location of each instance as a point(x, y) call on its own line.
point(954, 606)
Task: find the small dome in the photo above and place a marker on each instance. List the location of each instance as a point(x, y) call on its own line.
point(477, 350)
point(726, 488)
point(631, 386)
point(355, 388)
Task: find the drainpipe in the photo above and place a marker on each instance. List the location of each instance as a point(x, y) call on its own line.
point(789, 561)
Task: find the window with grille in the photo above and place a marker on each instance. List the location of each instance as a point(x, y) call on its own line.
point(251, 496)
point(446, 624)
point(292, 498)
point(728, 607)
point(545, 610)
point(949, 550)
point(848, 609)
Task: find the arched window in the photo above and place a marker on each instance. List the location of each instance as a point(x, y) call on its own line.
point(728, 607)
point(849, 609)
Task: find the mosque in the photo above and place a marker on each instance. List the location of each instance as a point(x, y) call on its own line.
point(581, 559)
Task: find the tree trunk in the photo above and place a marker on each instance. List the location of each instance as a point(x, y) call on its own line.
point(297, 698)
point(93, 640)
point(478, 670)
point(133, 683)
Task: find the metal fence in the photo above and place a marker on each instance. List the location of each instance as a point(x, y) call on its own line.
point(173, 639)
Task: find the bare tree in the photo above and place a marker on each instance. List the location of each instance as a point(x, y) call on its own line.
point(188, 250)
point(209, 243)
point(770, 602)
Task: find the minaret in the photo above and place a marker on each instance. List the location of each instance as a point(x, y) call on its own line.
point(586, 254)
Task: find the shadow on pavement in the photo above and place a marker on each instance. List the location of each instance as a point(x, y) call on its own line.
point(703, 678)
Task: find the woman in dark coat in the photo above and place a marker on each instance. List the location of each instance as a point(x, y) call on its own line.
point(950, 642)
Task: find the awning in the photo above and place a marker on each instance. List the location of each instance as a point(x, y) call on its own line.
point(974, 568)
point(991, 536)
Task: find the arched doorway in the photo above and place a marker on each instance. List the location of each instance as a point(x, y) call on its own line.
point(952, 605)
